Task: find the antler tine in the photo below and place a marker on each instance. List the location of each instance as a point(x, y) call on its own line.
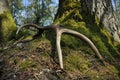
point(59, 51)
point(84, 38)
point(17, 30)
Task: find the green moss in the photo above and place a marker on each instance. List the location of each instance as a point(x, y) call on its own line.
point(71, 42)
point(71, 4)
point(76, 62)
point(25, 34)
point(7, 26)
point(64, 16)
point(118, 47)
point(112, 69)
point(25, 64)
point(101, 46)
point(1, 49)
point(107, 34)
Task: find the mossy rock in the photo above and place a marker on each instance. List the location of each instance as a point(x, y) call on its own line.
point(7, 26)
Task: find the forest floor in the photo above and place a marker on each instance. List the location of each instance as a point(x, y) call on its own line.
point(33, 61)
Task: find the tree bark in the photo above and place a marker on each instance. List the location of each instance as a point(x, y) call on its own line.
point(103, 10)
point(7, 24)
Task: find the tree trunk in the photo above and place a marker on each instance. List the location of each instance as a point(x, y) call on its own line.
point(7, 24)
point(104, 12)
point(95, 19)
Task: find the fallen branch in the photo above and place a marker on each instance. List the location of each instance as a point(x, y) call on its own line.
point(59, 31)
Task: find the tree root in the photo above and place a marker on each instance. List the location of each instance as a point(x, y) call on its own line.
point(59, 31)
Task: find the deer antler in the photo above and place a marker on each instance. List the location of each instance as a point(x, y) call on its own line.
point(35, 26)
point(59, 31)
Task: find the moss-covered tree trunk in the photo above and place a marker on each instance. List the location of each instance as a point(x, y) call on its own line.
point(93, 18)
point(7, 24)
point(102, 10)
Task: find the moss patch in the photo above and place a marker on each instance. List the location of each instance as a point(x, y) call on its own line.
point(86, 65)
point(7, 26)
point(76, 62)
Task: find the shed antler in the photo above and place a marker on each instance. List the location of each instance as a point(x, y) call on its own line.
point(59, 31)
